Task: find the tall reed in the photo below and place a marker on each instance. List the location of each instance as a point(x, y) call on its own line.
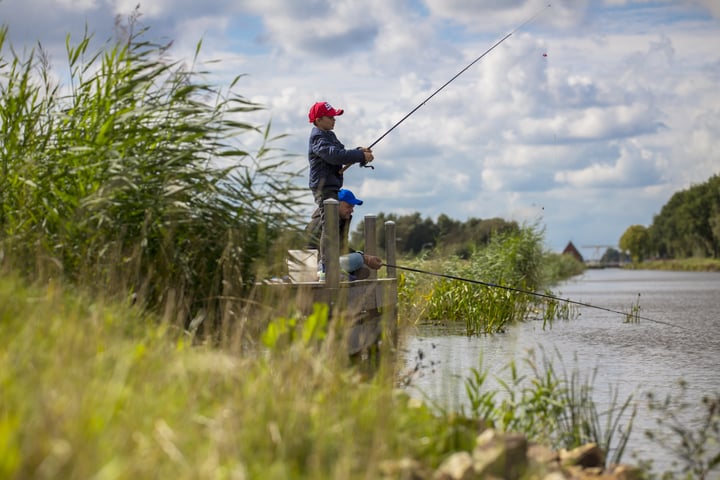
point(691, 440)
point(513, 259)
point(552, 408)
point(133, 178)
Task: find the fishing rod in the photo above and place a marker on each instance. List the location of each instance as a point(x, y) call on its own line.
point(542, 295)
point(454, 77)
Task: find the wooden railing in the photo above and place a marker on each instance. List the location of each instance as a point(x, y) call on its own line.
point(332, 244)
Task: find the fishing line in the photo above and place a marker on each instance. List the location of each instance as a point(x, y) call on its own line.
point(539, 12)
point(542, 295)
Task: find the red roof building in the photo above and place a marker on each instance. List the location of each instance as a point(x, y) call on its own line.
point(571, 250)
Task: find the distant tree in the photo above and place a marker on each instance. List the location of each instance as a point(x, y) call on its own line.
point(416, 234)
point(714, 221)
point(636, 241)
point(613, 256)
point(689, 223)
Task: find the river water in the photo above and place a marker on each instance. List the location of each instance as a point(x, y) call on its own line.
point(678, 339)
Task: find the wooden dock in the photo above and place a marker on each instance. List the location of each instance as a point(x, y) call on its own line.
point(369, 306)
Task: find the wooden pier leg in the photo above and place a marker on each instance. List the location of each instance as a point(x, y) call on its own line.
point(391, 316)
point(331, 249)
point(390, 249)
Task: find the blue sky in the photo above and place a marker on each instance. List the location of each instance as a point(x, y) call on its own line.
point(623, 111)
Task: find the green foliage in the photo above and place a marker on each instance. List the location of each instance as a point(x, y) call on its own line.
point(286, 330)
point(514, 260)
point(132, 178)
point(551, 408)
point(100, 390)
point(557, 267)
point(688, 225)
point(556, 309)
point(685, 264)
point(692, 443)
point(484, 309)
point(633, 316)
point(636, 241)
point(446, 236)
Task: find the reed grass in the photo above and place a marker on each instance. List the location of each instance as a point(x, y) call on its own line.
point(100, 390)
point(133, 178)
point(692, 442)
point(512, 259)
point(552, 408)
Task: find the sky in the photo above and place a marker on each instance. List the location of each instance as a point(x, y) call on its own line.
point(584, 120)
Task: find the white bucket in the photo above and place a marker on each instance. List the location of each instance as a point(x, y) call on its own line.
point(302, 265)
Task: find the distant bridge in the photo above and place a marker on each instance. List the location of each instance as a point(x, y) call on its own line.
point(595, 260)
point(597, 254)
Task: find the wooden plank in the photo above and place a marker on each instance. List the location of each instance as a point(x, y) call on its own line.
point(357, 296)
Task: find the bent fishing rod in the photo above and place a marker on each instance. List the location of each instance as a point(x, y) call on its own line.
point(540, 12)
point(536, 294)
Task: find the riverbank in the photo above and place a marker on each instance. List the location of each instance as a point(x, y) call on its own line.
point(679, 265)
point(675, 359)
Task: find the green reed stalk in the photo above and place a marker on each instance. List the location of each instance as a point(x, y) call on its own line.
point(551, 408)
point(692, 441)
point(514, 259)
point(134, 178)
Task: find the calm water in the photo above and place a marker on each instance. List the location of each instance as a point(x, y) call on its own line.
point(631, 358)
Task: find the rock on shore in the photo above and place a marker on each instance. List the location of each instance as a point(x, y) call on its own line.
point(510, 456)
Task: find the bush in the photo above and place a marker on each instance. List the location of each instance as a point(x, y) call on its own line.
point(490, 290)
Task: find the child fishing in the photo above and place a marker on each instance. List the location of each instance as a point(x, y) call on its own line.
point(327, 156)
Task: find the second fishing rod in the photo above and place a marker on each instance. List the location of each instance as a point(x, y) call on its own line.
point(536, 294)
point(508, 35)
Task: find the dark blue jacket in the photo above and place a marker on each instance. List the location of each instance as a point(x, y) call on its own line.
point(327, 157)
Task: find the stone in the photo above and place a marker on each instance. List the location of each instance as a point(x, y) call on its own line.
point(500, 454)
point(626, 472)
point(405, 469)
point(458, 466)
point(586, 456)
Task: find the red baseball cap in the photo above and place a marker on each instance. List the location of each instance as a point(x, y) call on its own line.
point(323, 109)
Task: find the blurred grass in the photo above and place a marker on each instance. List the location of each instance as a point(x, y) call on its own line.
point(96, 390)
point(681, 264)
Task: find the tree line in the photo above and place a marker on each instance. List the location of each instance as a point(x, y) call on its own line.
point(687, 226)
point(416, 234)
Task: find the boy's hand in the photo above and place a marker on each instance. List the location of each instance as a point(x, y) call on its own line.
point(372, 261)
point(369, 157)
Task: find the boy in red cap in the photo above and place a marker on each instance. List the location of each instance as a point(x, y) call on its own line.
point(327, 156)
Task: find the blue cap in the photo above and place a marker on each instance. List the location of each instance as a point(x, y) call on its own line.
point(347, 196)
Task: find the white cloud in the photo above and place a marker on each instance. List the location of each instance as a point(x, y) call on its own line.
point(634, 167)
point(77, 5)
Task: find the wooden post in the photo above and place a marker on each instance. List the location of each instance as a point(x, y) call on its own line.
point(390, 248)
point(331, 244)
point(391, 317)
point(371, 241)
